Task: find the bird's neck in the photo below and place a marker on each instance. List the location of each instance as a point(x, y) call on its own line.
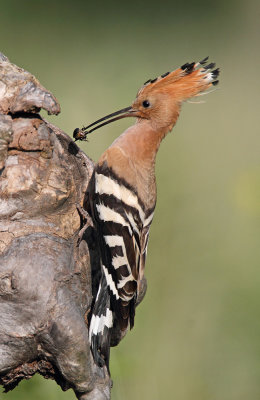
point(132, 157)
point(141, 142)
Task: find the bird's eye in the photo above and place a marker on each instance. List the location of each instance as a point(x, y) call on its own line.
point(146, 104)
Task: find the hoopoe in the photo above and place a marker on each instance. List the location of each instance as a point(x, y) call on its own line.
point(122, 195)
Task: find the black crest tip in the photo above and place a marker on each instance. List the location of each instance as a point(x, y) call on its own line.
point(184, 66)
point(210, 66)
point(149, 80)
point(202, 62)
point(215, 73)
point(188, 67)
point(165, 74)
point(214, 83)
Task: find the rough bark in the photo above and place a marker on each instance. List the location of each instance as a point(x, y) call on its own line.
point(45, 271)
point(49, 257)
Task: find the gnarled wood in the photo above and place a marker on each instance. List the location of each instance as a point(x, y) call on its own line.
point(46, 272)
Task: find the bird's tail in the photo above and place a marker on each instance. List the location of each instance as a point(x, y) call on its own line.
point(101, 323)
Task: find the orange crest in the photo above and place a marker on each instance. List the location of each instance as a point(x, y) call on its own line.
point(185, 82)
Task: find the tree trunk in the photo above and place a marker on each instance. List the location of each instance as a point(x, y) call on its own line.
point(45, 271)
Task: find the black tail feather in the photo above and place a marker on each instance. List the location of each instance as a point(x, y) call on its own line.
point(100, 328)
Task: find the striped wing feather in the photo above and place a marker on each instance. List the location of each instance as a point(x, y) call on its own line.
point(119, 229)
point(122, 229)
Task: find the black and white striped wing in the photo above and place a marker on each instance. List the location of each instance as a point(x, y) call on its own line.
point(120, 221)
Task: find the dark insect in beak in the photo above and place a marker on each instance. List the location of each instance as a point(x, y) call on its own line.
point(81, 134)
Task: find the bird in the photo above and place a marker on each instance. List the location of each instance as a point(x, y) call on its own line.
point(121, 196)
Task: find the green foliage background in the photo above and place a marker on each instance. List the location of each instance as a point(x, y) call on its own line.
point(197, 332)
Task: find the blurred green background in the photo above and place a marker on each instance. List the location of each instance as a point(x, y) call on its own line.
point(197, 333)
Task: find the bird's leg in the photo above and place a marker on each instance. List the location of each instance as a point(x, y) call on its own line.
point(84, 215)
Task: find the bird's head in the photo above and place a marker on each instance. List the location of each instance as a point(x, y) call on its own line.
point(159, 100)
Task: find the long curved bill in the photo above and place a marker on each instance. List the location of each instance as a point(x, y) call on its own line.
point(81, 134)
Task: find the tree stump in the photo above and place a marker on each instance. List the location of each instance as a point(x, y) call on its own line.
point(45, 271)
